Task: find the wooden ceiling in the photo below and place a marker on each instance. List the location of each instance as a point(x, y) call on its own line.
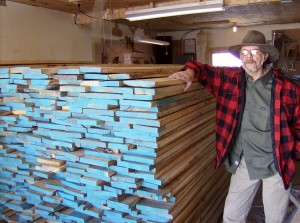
point(239, 12)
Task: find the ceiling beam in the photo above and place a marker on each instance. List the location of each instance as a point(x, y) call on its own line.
point(246, 2)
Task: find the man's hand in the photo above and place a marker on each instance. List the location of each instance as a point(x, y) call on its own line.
point(186, 75)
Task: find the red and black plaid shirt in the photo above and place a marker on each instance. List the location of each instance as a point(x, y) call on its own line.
point(228, 86)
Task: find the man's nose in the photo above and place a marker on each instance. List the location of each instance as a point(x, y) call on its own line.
point(249, 55)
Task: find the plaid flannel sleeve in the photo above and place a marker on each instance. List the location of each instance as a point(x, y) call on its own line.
point(210, 77)
point(296, 124)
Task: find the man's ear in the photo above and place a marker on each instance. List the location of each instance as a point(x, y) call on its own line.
point(266, 56)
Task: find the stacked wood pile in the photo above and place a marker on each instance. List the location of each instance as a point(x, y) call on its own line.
point(107, 144)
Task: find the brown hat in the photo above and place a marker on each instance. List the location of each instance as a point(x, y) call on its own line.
point(255, 38)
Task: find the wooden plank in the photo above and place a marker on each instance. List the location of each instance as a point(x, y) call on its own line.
point(97, 161)
point(154, 206)
point(153, 82)
point(160, 90)
point(120, 90)
point(186, 140)
point(53, 162)
point(140, 69)
point(164, 101)
point(196, 194)
point(51, 168)
point(163, 172)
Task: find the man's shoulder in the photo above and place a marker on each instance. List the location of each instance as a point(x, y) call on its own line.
point(286, 82)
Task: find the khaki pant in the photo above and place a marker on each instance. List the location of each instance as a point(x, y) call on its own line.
point(242, 191)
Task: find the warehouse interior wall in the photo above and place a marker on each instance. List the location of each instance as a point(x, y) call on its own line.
point(228, 36)
point(31, 34)
point(34, 34)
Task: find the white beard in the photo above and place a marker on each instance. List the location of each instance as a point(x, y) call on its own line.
point(254, 68)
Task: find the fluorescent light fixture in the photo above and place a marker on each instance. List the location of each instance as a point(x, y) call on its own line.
point(151, 41)
point(175, 10)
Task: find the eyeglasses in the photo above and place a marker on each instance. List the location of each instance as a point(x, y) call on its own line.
point(253, 52)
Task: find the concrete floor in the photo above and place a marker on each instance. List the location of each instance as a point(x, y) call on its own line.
point(256, 214)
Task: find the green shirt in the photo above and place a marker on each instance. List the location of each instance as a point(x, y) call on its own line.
point(254, 140)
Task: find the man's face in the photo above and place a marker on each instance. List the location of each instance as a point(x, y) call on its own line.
point(252, 58)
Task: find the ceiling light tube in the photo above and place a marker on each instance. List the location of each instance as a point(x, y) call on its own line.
point(151, 41)
point(175, 10)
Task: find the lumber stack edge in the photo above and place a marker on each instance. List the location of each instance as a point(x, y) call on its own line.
point(97, 143)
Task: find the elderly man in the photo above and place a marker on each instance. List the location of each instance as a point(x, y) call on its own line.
point(257, 126)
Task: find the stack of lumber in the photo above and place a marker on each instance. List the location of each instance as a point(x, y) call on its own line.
point(107, 144)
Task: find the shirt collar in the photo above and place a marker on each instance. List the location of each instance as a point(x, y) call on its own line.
point(268, 74)
point(265, 78)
